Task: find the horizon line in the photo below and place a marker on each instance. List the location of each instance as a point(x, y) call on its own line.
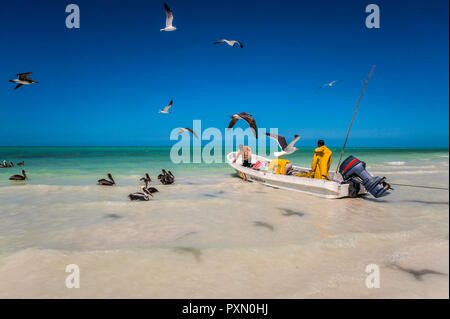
point(333, 146)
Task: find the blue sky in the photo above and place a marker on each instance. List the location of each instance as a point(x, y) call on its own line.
point(103, 84)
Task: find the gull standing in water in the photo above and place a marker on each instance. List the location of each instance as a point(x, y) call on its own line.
point(231, 43)
point(246, 117)
point(286, 148)
point(169, 19)
point(23, 79)
point(186, 129)
point(330, 84)
point(166, 109)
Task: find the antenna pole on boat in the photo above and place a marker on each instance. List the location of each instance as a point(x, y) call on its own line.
point(351, 123)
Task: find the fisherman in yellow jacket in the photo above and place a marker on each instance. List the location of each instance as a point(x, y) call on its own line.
point(322, 161)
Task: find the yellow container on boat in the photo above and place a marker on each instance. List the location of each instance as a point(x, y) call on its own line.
point(278, 165)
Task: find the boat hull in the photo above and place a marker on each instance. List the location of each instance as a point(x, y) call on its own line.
point(316, 187)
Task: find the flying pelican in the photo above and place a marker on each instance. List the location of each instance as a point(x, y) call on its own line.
point(330, 84)
point(231, 43)
point(106, 182)
point(186, 129)
point(246, 117)
point(286, 149)
point(166, 109)
point(141, 196)
point(169, 19)
point(23, 78)
point(18, 177)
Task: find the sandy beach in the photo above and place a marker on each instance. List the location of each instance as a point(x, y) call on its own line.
point(206, 237)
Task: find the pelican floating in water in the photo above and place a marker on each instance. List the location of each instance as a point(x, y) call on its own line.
point(171, 177)
point(19, 177)
point(166, 109)
point(141, 196)
point(166, 178)
point(169, 19)
point(23, 79)
point(231, 43)
point(285, 147)
point(21, 163)
point(106, 182)
point(147, 181)
point(247, 118)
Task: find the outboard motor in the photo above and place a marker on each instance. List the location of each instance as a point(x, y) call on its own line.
point(353, 170)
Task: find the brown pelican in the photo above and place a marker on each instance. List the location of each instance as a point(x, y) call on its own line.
point(169, 19)
point(166, 109)
point(166, 178)
point(23, 78)
point(246, 117)
point(231, 43)
point(186, 129)
point(286, 149)
point(106, 182)
point(21, 163)
point(146, 178)
point(141, 196)
point(18, 177)
point(147, 181)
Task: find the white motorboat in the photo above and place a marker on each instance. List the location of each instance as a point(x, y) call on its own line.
point(332, 188)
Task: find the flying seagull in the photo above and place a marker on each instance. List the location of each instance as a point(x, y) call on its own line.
point(230, 43)
point(186, 129)
point(330, 84)
point(286, 148)
point(166, 109)
point(169, 19)
point(246, 117)
point(23, 78)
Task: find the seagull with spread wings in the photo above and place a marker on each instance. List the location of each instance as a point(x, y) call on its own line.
point(330, 84)
point(231, 43)
point(169, 19)
point(285, 147)
point(166, 109)
point(23, 79)
point(187, 129)
point(247, 118)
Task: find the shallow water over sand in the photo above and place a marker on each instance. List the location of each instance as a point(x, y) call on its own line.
point(211, 235)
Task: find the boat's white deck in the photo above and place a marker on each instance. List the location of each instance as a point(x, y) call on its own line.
point(317, 187)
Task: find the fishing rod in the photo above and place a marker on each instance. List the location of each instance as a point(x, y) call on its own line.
point(351, 123)
point(419, 186)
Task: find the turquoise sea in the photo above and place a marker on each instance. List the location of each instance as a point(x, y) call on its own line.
point(212, 235)
point(84, 165)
